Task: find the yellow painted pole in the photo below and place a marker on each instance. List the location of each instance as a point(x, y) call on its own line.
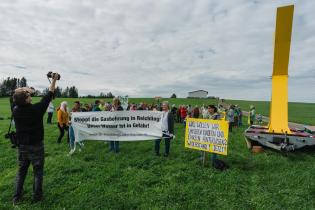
point(279, 98)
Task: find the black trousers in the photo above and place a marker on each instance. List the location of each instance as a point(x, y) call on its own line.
point(167, 145)
point(62, 132)
point(29, 154)
point(231, 124)
point(50, 114)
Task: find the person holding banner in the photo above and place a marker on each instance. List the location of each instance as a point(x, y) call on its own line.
point(167, 128)
point(212, 114)
point(76, 108)
point(96, 107)
point(114, 145)
point(63, 120)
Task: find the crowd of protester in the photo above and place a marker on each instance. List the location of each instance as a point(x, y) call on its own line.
point(233, 114)
point(28, 120)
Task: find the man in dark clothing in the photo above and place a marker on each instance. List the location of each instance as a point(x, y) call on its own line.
point(174, 110)
point(28, 119)
point(168, 130)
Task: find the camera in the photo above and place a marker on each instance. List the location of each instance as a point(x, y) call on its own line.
point(51, 75)
point(12, 137)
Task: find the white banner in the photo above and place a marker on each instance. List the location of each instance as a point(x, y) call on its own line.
point(117, 126)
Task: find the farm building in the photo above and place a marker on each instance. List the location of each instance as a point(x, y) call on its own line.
point(198, 94)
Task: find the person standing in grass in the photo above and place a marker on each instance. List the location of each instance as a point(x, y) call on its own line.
point(76, 108)
point(212, 115)
point(230, 117)
point(28, 119)
point(183, 113)
point(167, 128)
point(236, 116)
point(178, 114)
point(50, 112)
point(174, 110)
point(63, 121)
point(196, 112)
point(240, 121)
point(114, 145)
point(252, 114)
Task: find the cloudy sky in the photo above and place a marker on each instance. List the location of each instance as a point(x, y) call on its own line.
point(146, 48)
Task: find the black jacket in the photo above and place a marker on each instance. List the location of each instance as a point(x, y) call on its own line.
point(170, 122)
point(29, 121)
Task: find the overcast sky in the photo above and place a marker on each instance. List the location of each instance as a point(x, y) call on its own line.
point(146, 48)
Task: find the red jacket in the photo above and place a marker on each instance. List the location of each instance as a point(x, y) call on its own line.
point(183, 112)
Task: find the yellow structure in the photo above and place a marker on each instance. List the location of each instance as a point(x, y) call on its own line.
point(279, 98)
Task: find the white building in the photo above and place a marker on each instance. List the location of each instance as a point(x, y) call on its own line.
point(198, 94)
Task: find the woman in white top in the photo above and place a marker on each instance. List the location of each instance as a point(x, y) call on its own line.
point(50, 111)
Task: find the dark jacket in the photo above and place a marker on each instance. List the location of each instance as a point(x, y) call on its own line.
point(29, 121)
point(170, 122)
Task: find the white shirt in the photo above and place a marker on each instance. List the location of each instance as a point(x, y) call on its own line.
point(51, 107)
point(165, 121)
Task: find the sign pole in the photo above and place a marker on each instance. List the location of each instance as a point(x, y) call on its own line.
point(204, 158)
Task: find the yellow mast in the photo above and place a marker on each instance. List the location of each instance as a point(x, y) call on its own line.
point(279, 98)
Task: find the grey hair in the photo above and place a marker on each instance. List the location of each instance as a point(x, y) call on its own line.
point(165, 103)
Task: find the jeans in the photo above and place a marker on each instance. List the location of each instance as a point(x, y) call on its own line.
point(50, 114)
point(167, 144)
point(114, 146)
point(29, 154)
point(62, 132)
point(72, 139)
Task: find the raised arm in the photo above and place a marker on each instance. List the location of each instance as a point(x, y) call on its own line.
point(44, 103)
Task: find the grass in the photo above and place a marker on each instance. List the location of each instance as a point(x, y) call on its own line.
point(136, 179)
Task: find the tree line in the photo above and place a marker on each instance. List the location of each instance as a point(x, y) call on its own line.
point(68, 92)
point(8, 85)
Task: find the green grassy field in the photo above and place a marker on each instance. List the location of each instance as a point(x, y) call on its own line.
point(303, 113)
point(136, 179)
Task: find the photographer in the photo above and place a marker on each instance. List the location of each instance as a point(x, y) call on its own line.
point(28, 119)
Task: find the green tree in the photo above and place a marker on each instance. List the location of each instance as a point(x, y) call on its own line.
point(109, 95)
point(65, 93)
point(8, 86)
point(73, 92)
point(23, 82)
point(58, 92)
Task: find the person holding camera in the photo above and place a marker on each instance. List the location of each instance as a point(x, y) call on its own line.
point(28, 119)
